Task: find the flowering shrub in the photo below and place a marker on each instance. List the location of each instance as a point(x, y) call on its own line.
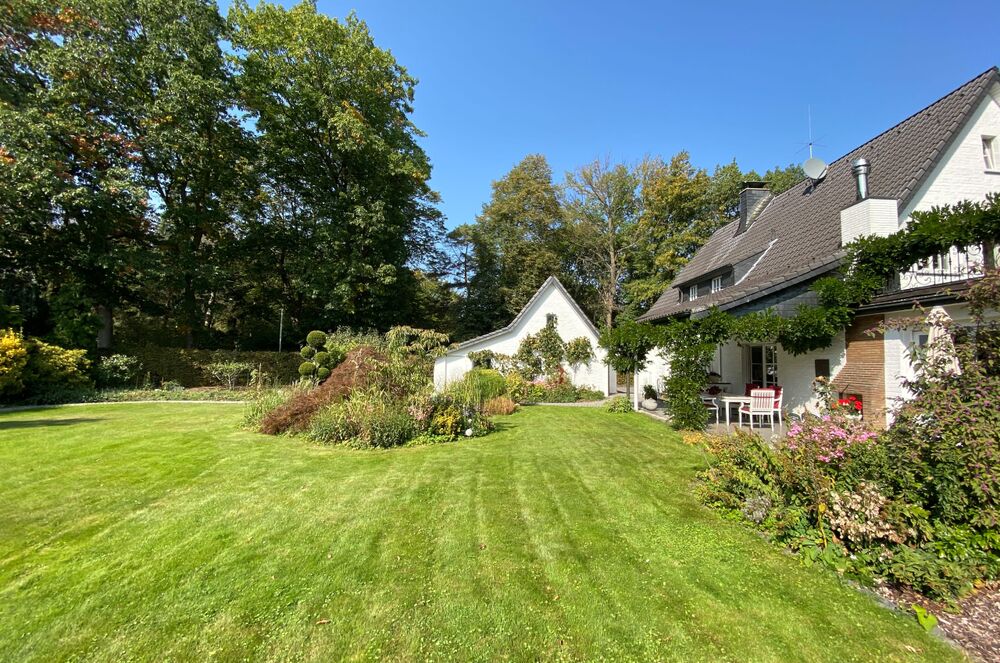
point(860, 517)
point(118, 371)
point(839, 494)
point(826, 438)
point(13, 358)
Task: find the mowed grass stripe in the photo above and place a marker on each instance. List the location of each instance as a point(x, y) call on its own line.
point(162, 532)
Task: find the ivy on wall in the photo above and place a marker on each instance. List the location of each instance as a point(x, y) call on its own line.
point(870, 263)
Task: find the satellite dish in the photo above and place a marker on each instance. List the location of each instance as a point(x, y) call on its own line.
point(815, 169)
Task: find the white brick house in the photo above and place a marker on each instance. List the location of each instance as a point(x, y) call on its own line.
point(571, 322)
point(769, 257)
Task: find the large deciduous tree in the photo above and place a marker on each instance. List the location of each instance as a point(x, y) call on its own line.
point(517, 242)
point(602, 212)
point(72, 223)
point(343, 203)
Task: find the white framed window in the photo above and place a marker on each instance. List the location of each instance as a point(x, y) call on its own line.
point(991, 153)
point(762, 362)
point(717, 284)
point(693, 293)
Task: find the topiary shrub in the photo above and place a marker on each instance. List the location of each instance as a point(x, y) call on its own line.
point(316, 338)
point(322, 359)
point(308, 352)
point(322, 373)
point(306, 369)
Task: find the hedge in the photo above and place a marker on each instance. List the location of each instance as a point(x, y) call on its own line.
point(183, 366)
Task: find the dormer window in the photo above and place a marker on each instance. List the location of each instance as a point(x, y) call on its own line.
point(991, 158)
point(716, 284)
point(693, 293)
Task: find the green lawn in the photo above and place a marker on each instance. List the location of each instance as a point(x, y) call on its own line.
point(161, 532)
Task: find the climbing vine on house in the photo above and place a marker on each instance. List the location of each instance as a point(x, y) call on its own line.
point(870, 263)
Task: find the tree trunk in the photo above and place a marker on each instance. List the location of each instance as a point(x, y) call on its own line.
point(105, 335)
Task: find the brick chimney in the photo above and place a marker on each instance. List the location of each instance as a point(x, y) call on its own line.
point(753, 198)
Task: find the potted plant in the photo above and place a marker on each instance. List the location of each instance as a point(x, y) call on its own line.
point(649, 397)
point(851, 407)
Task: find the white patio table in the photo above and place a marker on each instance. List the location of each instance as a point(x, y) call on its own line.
point(728, 400)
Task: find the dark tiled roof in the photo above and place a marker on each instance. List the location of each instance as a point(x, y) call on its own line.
point(800, 228)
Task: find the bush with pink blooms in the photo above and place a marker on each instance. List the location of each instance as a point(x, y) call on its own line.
point(827, 438)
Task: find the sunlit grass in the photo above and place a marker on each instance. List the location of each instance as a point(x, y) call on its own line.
point(159, 532)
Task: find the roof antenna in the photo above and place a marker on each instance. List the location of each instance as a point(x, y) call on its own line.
point(814, 168)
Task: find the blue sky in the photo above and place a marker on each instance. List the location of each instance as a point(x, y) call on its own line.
point(579, 80)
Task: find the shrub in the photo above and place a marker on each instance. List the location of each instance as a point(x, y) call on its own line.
point(13, 359)
point(516, 387)
point(50, 365)
point(381, 424)
point(227, 373)
point(478, 386)
point(588, 394)
point(354, 373)
point(499, 405)
point(322, 359)
point(316, 338)
point(447, 421)
point(306, 369)
point(745, 468)
point(185, 366)
point(118, 371)
point(482, 358)
point(684, 385)
point(559, 393)
point(322, 373)
point(333, 425)
point(619, 405)
point(307, 352)
point(649, 392)
point(258, 407)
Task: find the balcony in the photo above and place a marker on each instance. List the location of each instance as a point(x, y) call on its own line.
point(956, 266)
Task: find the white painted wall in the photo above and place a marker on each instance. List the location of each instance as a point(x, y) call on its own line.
point(961, 173)
point(795, 373)
point(872, 216)
point(569, 323)
point(655, 373)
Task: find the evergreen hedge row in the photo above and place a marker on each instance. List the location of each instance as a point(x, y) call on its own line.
point(184, 366)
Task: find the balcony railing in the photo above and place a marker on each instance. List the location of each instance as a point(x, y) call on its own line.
point(955, 266)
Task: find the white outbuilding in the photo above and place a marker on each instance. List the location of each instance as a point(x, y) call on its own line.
point(571, 322)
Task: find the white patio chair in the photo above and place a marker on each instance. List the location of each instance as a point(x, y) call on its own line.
point(761, 405)
point(711, 405)
point(778, 403)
